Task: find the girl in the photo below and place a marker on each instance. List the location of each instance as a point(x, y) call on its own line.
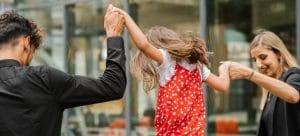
point(176, 63)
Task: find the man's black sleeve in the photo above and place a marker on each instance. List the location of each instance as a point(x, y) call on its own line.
point(71, 91)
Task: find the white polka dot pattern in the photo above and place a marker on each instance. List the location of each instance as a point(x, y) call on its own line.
point(180, 106)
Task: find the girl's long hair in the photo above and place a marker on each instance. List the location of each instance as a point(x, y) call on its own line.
point(181, 48)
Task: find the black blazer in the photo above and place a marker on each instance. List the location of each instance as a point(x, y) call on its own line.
point(280, 118)
point(32, 99)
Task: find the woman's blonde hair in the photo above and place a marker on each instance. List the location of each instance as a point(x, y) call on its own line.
point(180, 46)
point(272, 41)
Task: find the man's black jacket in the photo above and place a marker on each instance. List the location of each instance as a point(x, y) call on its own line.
point(32, 99)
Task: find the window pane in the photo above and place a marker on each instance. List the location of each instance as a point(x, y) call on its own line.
point(52, 51)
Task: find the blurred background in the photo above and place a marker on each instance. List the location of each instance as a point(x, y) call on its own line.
point(75, 42)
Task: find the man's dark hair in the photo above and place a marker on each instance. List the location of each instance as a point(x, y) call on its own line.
point(13, 25)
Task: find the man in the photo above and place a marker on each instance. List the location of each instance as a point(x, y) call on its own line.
point(33, 98)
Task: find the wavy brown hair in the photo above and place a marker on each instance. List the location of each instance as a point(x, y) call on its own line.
point(182, 47)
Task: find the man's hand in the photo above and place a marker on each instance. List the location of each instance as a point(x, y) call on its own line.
point(113, 22)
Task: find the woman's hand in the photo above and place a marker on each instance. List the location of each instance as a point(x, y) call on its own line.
point(238, 71)
point(224, 68)
point(279, 88)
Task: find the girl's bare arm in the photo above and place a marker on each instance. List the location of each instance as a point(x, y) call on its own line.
point(139, 38)
point(221, 82)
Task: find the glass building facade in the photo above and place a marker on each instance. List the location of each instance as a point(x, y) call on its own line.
point(75, 42)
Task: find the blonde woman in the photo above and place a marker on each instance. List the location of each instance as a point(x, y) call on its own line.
point(177, 64)
point(279, 75)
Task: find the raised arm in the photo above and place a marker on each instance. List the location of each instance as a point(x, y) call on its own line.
point(70, 90)
point(139, 38)
point(279, 88)
point(113, 22)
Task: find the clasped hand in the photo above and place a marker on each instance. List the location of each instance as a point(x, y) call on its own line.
point(113, 22)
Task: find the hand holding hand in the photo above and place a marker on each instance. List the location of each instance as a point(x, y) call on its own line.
point(238, 71)
point(113, 22)
point(120, 11)
point(224, 67)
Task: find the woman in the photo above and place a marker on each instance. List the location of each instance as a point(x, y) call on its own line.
point(278, 75)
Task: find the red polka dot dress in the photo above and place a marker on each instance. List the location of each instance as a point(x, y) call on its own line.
point(180, 107)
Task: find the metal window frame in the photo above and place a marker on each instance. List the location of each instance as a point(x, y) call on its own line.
point(298, 30)
point(203, 35)
point(43, 5)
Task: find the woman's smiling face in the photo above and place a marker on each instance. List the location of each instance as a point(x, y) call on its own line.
point(266, 60)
